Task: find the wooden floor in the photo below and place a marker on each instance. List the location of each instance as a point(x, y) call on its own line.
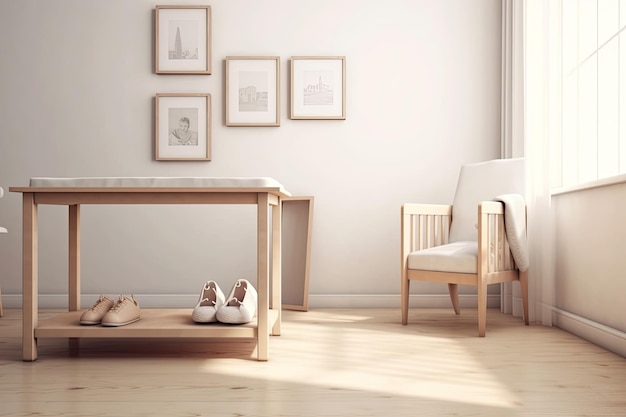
point(345, 363)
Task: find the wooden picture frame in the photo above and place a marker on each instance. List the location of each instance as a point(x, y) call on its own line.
point(182, 40)
point(252, 91)
point(182, 127)
point(318, 87)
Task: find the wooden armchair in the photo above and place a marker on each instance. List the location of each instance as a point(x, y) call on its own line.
point(466, 243)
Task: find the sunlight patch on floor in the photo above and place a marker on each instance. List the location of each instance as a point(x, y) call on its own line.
point(428, 367)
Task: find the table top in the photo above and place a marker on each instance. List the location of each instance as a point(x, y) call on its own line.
point(153, 184)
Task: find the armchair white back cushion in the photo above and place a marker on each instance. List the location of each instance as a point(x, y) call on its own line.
point(482, 181)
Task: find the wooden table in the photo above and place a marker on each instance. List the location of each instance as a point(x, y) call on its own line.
point(266, 193)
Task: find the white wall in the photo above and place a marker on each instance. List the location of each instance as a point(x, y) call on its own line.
point(77, 88)
point(589, 283)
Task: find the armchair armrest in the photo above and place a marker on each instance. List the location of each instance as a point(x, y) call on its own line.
point(490, 207)
point(494, 252)
point(427, 209)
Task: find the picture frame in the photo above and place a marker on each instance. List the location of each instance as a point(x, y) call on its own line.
point(182, 40)
point(318, 87)
point(252, 91)
point(182, 127)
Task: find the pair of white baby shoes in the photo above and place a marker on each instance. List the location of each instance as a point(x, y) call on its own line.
point(238, 308)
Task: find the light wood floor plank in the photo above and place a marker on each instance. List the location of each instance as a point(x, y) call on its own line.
point(352, 362)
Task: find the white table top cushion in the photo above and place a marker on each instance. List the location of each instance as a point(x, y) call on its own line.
point(161, 182)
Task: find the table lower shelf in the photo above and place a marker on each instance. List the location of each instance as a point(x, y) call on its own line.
point(154, 323)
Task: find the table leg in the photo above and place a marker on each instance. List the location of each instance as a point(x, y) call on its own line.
point(262, 275)
point(30, 309)
point(276, 302)
point(74, 258)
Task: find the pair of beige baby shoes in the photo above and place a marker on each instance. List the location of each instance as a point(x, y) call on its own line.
point(112, 314)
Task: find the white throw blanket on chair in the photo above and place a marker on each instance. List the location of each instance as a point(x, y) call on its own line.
point(515, 226)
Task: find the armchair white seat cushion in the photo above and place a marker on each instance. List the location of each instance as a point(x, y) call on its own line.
point(458, 257)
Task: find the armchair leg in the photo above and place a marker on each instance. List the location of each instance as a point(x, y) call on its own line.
point(453, 289)
point(482, 309)
point(523, 280)
point(405, 299)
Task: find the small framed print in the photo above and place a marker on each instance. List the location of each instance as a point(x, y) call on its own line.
point(318, 87)
point(183, 127)
point(253, 91)
point(183, 40)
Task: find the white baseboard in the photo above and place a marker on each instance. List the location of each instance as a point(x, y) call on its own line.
point(315, 300)
point(518, 307)
point(596, 333)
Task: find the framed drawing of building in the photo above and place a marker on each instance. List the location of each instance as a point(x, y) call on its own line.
point(182, 40)
point(253, 91)
point(318, 87)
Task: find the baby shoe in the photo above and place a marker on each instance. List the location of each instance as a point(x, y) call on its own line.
point(211, 299)
point(125, 311)
point(240, 306)
point(97, 311)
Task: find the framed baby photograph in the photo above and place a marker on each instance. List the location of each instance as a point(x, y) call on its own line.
point(318, 87)
point(253, 91)
point(183, 127)
point(182, 40)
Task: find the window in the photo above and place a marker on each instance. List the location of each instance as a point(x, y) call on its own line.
point(593, 91)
